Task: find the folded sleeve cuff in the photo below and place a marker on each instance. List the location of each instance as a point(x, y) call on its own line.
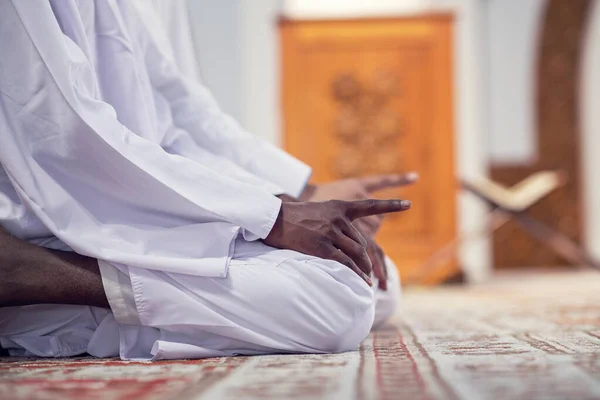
point(119, 293)
point(271, 211)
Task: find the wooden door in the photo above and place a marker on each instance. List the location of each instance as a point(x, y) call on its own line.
point(375, 96)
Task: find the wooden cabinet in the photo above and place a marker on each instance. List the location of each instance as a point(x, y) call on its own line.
point(375, 96)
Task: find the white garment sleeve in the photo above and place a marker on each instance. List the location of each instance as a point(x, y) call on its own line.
point(104, 191)
point(196, 112)
point(180, 142)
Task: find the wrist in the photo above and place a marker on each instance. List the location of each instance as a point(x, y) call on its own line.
point(308, 192)
point(287, 199)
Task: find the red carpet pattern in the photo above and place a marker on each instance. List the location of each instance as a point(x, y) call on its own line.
point(520, 337)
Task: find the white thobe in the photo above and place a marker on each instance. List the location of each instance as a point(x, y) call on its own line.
point(107, 150)
point(168, 22)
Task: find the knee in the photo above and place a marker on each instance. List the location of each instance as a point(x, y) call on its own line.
point(346, 330)
point(333, 309)
point(348, 338)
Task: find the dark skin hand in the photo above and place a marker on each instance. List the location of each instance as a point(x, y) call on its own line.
point(367, 228)
point(377, 257)
point(325, 230)
point(360, 189)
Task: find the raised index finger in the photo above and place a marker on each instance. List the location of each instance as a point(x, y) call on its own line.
point(364, 208)
point(379, 182)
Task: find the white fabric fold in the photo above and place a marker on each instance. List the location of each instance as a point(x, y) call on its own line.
point(93, 173)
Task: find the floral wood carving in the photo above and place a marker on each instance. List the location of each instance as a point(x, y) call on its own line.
point(366, 124)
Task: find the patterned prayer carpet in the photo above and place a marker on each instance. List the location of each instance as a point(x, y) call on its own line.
point(519, 337)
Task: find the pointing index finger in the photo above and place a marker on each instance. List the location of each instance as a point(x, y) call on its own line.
point(379, 182)
point(364, 208)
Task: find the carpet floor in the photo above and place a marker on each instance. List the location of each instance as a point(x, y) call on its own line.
point(533, 336)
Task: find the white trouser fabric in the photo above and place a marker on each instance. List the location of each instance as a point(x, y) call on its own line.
point(271, 301)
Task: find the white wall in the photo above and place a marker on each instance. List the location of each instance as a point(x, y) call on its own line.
point(260, 105)
point(471, 123)
point(512, 29)
point(217, 34)
point(590, 100)
point(238, 55)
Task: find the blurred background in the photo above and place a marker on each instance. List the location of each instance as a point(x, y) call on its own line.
point(457, 90)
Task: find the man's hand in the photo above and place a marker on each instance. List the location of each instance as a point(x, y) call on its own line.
point(358, 188)
point(325, 230)
point(377, 257)
point(376, 254)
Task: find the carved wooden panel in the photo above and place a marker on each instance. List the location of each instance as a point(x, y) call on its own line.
point(560, 51)
point(374, 96)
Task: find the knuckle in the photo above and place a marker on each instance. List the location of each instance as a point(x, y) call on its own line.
point(364, 255)
point(334, 254)
point(323, 241)
point(367, 204)
point(333, 233)
point(339, 220)
point(363, 242)
point(334, 203)
point(358, 249)
point(345, 261)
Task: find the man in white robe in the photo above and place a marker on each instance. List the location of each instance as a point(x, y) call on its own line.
point(109, 152)
point(168, 21)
